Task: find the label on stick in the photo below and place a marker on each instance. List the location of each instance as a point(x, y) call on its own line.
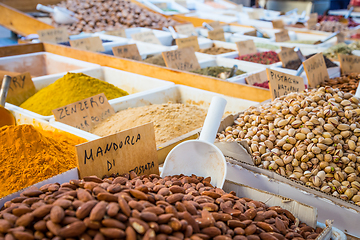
point(148, 37)
point(21, 87)
point(259, 77)
point(118, 33)
point(215, 24)
point(253, 15)
point(188, 42)
point(315, 69)
point(282, 83)
point(278, 24)
point(311, 22)
point(349, 63)
point(129, 51)
point(55, 35)
point(251, 33)
point(130, 150)
point(287, 55)
point(181, 59)
point(341, 37)
point(93, 44)
point(246, 47)
point(186, 29)
point(217, 34)
point(85, 114)
point(282, 36)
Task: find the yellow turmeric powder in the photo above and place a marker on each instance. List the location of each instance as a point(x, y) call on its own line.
point(29, 156)
point(70, 88)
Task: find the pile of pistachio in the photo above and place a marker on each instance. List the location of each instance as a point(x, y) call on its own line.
point(312, 137)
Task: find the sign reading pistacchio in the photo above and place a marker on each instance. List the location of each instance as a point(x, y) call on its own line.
point(181, 59)
point(130, 150)
point(21, 87)
point(85, 114)
point(315, 69)
point(281, 83)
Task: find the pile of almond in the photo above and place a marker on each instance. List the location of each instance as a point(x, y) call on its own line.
point(146, 207)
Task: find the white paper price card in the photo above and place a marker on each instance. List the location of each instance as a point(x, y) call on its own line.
point(130, 150)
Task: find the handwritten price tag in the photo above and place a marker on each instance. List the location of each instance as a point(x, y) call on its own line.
point(129, 51)
point(278, 24)
point(123, 152)
point(215, 24)
point(259, 77)
point(282, 36)
point(315, 69)
point(246, 47)
point(311, 22)
point(118, 33)
point(287, 55)
point(85, 114)
point(181, 59)
point(147, 36)
point(217, 34)
point(282, 84)
point(186, 29)
point(21, 87)
point(349, 63)
point(188, 42)
point(93, 44)
point(253, 15)
point(55, 35)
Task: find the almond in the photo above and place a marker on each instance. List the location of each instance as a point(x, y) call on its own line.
point(148, 216)
point(139, 226)
point(98, 212)
point(113, 223)
point(124, 206)
point(72, 230)
point(130, 233)
point(174, 198)
point(25, 219)
point(211, 231)
point(84, 195)
point(107, 197)
point(54, 228)
point(112, 232)
point(4, 225)
point(251, 229)
point(57, 214)
point(138, 194)
point(84, 210)
point(23, 235)
point(42, 211)
point(267, 236)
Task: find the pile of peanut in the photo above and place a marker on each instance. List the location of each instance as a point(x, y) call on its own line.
point(311, 137)
point(146, 207)
point(345, 83)
point(100, 15)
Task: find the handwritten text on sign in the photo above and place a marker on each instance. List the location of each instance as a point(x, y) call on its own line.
point(90, 44)
point(259, 77)
point(21, 87)
point(188, 42)
point(85, 114)
point(181, 59)
point(349, 63)
point(129, 51)
point(186, 29)
point(55, 35)
point(282, 84)
point(246, 47)
point(148, 37)
point(315, 69)
point(215, 24)
point(129, 150)
point(217, 34)
point(118, 33)
point(278, 23)
point(287, 55)
point(282, 36)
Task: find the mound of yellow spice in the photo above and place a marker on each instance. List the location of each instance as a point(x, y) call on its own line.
point(71, 88)
point(29, 156)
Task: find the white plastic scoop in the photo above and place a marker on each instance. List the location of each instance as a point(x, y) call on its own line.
point(60, 15)
point(201, 157)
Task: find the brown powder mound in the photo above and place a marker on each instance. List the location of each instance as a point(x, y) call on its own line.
point(170, 120)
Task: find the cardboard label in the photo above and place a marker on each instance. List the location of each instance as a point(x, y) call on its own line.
point(129, 51)
point(349, 63)
point(21, 87)
point(313, 15)
point(215, 24)
point(130, 150)
point(287, 55)
point(85, 114)
point(251, 33)
point(93, 44)
point(55, 35)
point(282, 84)
point(278, 24)
point(118, 33)
point(188, 42)
point(340, 37)
point(259, 77)
point(181, 59)
point(186, 29)
point(161, 5)
point(246, 47)
point(282, 36)
point(253, 15)
point(315, 69)
point(183, 3)
point(148, 37)
point(217, 34)
point(311, 22)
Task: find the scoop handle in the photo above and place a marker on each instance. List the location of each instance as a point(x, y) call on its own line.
point(4, 89)
point(43, 8)
point(212, 120)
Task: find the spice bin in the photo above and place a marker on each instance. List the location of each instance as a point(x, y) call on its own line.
point(130, 82)
point(41, 64)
